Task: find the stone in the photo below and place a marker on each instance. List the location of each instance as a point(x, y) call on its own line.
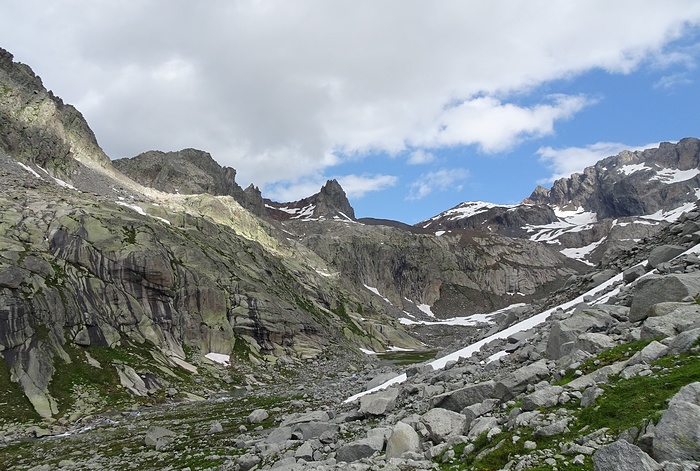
point(482, 425)
point(544, 397)
point(458, 399)
point(257, 416)
point(564, 332)
point(664, 253)
point(403, 439)
point(655, 289)
point(354, 451)
point(631, 274)
point(623, 456)
point(517, 381)
point(442, 423)
point(305, 452)
point(380, 402)
point(248, 461)
point(590, 395)
point(215, 427)
point(555, 428)
point(683, 341)
point(159, 437)
point(649, 354)
point(592, 342)
point(309, 430)
point(682, 318)
point(677, 435)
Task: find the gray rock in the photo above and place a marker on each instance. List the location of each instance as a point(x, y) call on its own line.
point(403, 439)
point(649, 354)
point(593, 342)
point(633, 273)
point(683, 341)
point(279, 435)
point(159, 437)
point(459, 399)
point(379, 380)
point(354, 451)
point(216, 427)
point(257, 416)
point(248, 461)
point(555, 428)
point(442, 423)
point(678, 320)
point(564, 332)
point(309, 430)
point(677, 435)
point(656, 289)
point(623, 456)
point(544, 397)
point(590, 395)
point(305, 452)
point(516, 382)
point(380, 402)
point(664, 253)
point(481, 425)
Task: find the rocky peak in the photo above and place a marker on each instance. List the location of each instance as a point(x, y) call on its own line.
point(330, 202)
point(38, 127)
point(187, 171)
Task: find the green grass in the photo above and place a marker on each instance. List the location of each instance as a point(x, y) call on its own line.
point(14, 405)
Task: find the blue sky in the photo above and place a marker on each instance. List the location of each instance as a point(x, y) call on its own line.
point(413, 106)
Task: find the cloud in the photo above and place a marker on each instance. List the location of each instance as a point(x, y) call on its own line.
point(441, 180)
point(284, 90)
point(669, 82)
point(420, 156)
point(567, 161)
point(355, 186)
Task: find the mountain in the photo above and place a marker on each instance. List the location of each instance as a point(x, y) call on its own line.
point(594, 215)
point(153, 314)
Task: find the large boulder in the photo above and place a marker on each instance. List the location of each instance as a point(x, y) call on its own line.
point(656, 289)
point(564, 333)
point(677, 435)
point(623, 456)
point(380, 402)
point(544, 397)
point(441, 423)
point(682, 318)
point(664, 253)
point(458, 399)
point(516, 382)
point(403, 439)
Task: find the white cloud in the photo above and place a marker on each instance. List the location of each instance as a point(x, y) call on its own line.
point(281, 90)
point(567, 161)
point(420, 156)
point(441, 180)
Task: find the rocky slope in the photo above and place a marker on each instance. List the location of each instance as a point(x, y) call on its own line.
point(90, 258)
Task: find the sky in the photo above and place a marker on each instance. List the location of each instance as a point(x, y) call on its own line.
point(413, 106)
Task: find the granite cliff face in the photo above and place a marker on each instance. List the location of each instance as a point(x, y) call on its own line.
point(91, 260)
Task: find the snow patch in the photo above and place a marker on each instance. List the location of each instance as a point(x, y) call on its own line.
point(219, 358)
point(633, 168)
point(30, 170)
point(376, 291)
point(581, 253)
point(669, 175)
point(426, 309)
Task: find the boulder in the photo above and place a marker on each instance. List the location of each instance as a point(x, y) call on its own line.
point(309, 430)
point(655, 289)
point(664, 253)
point(355, 451)
point(458, 399)
point(545, 397)
point(564, 332)
point(677, 435)
point(649, 354)
point(516, 382)
point(676, 321)
point(633, 273)
point(592, 342)
point(248, 461)
point(380, 402)
point(623, 456)
point(159, 437)
point(441, 423)
point(257, 416)
point(403, 439)
point(683, 341)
